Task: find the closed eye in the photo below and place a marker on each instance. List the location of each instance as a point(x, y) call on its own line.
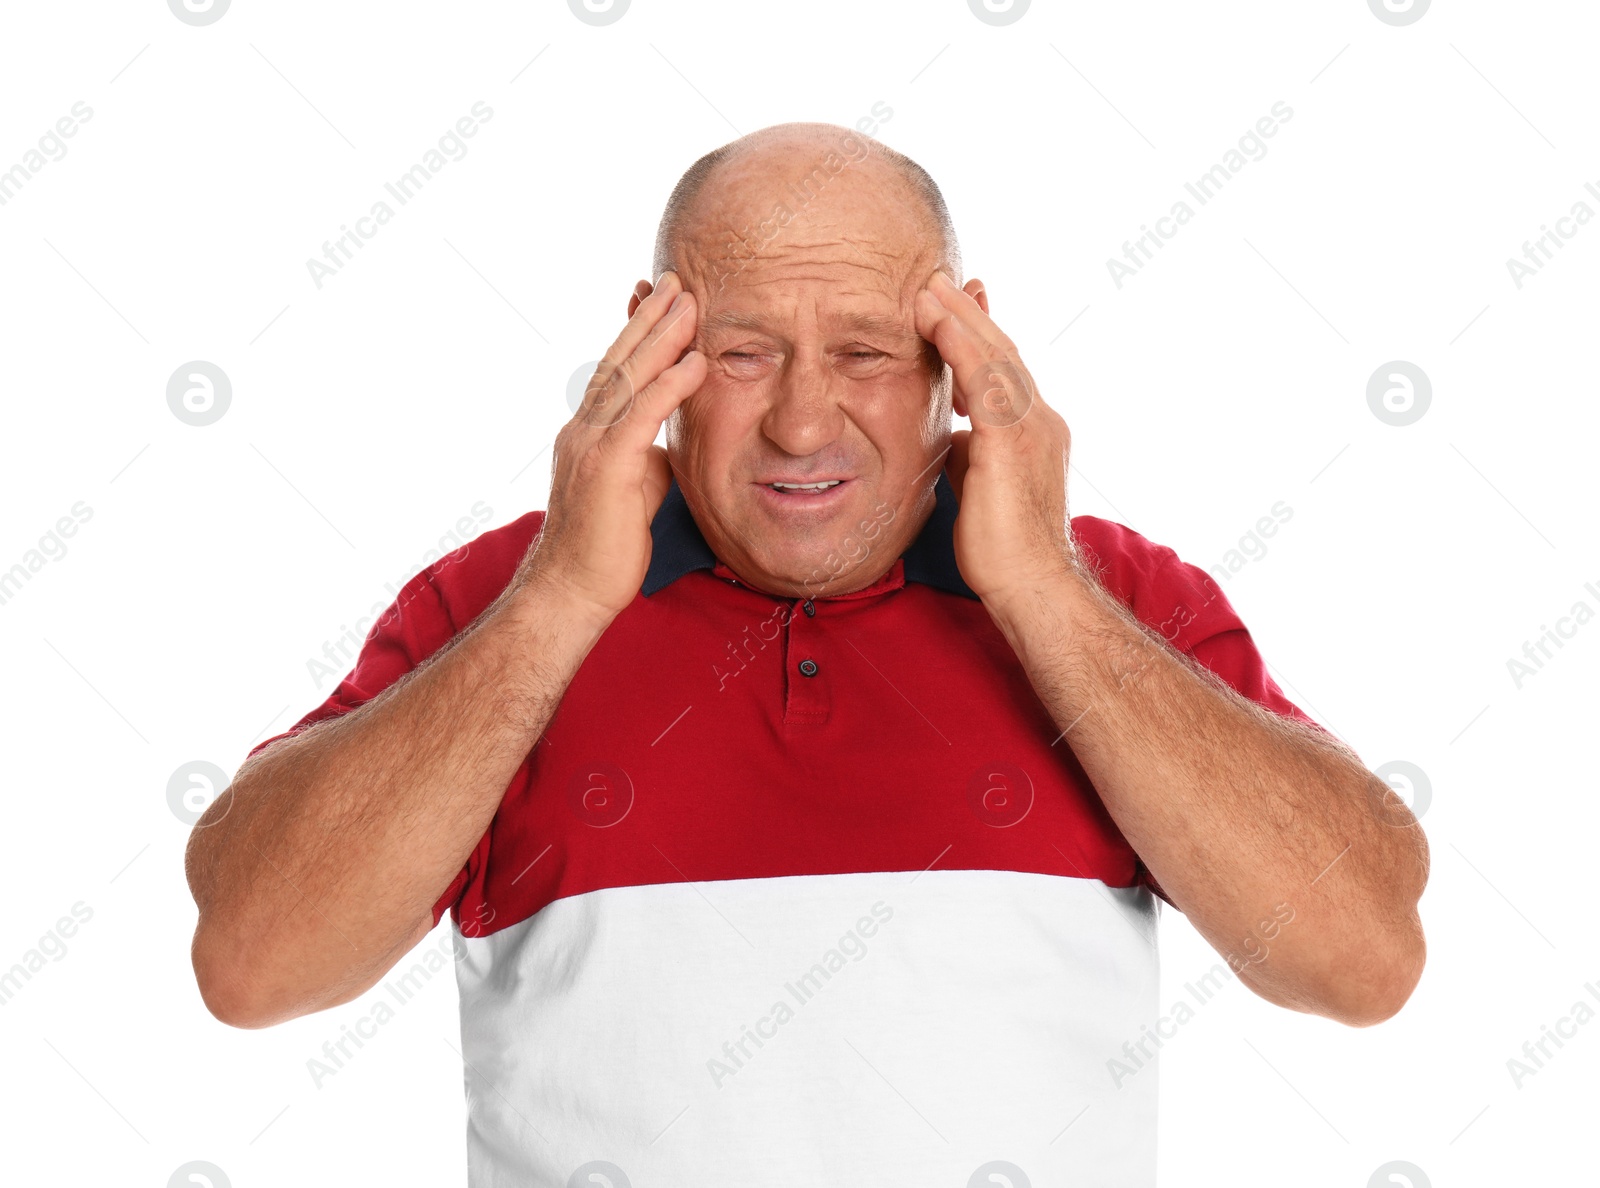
point(860, 354)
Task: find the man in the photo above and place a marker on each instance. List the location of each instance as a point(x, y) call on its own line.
point(837, 862)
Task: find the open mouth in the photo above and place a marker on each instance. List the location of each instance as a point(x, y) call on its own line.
point(819, 497)
point(802, 490)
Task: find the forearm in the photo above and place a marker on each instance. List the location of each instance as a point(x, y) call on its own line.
point(1273, 838)
point(321, 863)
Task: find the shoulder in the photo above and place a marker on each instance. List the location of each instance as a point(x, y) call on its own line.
point(467, 579)
point(1127, 562)
point(1160, 588)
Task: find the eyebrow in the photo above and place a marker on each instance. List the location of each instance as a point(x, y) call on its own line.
point(887, 324)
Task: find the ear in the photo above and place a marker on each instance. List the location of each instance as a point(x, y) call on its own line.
point(643, 289)
point(955, 462)
point(657, 478)
point(974, 289)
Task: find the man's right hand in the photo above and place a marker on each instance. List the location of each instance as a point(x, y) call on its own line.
point(423, 765)
point(608, 476)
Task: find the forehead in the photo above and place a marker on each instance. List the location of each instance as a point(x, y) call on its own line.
point(828, 314)
point(772, 239)
point(835, 285)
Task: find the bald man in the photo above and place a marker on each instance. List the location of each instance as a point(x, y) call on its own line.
point(803, 793)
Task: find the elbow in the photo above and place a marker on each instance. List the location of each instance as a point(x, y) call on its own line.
point(228, 1010)
point(1384, 1003)
point(1366, 998)
point(1364, 968)
point(1385, 984)
point(225, 989)
point(1383, 976)
point(1356, 985)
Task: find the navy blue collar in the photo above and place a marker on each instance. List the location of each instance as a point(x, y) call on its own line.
point(680, 548)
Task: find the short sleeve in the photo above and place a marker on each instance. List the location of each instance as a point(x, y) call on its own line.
point(1188, 607)
point(1232, 655)
point(412, 628)
point(1210, 631)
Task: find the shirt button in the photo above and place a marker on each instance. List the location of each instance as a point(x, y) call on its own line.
point(808, 668)
point(808, 608)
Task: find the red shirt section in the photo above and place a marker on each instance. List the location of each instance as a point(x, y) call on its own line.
point(719, 732)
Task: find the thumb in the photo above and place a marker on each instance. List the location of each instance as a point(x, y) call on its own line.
point(955, 462)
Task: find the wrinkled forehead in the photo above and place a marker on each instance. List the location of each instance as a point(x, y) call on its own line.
point(826, 285)
point(772, 239)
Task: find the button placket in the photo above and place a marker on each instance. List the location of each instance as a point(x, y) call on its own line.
point(806, 678)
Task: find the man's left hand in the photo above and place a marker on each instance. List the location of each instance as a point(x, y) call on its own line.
point(1009, 471)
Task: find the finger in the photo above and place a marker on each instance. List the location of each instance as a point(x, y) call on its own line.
point(650, 310)
point(654, 338)
point(971, 314)
point(661, 348)
point(640, 292)
point(958, 345)
point(974, 289)
point(633, 435)
point(992, 388)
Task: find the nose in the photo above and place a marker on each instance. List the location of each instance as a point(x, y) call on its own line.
point(804, 415)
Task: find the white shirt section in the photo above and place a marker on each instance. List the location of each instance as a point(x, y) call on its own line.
point(903, 1028)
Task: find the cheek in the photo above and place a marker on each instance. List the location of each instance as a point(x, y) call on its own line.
point(719, 415)
point(898, 390)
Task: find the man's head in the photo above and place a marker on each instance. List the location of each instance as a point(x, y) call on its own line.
point(804, 246)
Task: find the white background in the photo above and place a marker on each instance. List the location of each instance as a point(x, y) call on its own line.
point(371, 414)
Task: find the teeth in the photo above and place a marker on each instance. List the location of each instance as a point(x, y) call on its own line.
point(805, 486)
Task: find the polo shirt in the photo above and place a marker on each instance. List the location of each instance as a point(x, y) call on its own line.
point(804, 891)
